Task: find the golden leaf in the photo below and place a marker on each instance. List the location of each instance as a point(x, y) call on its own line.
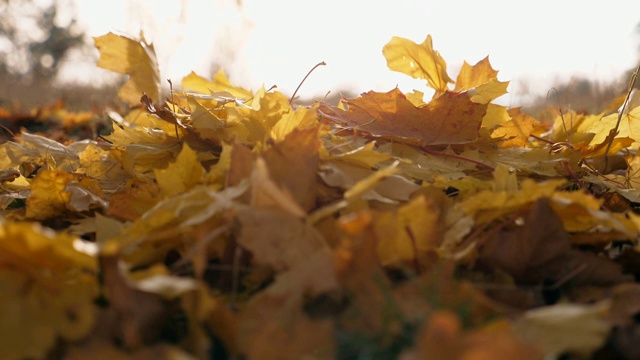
point(182, 174)
point(47, 289)
point(132, 57)
point(419, 61)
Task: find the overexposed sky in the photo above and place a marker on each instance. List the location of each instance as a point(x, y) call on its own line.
point(277, 42)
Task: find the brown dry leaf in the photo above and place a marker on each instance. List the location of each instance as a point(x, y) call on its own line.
point(383, 185)
point(262, 234)
point(134, 198)
point(105, 350)
point(293, 164)
point(625, 304)
point(442, 337)
point(361, 275)
point(275, 327)
point(451, 118)
point(137, 315)
point(266, 193)
point(274, 319)
point(540, 250)
point(298, 153)
point(132, 57)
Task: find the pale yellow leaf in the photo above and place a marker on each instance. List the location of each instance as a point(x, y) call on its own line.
point(419, 61)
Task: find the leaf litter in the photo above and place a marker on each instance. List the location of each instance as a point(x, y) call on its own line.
point(227, 223)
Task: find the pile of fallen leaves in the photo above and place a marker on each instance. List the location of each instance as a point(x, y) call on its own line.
point(225, 223)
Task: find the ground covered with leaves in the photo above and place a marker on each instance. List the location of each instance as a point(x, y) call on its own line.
point(225, 223)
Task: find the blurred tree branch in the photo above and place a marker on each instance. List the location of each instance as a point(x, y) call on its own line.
point(35, 38)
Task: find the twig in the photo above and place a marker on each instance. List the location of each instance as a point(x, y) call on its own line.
point(305, 78)
point(632, 83)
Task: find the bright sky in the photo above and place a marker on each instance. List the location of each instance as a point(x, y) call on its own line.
point(277, 42)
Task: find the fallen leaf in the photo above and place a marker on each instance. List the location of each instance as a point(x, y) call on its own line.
point(561, 328)
point(515, 132)
point(297, 153)
point(181, 175)
point(410, 236)
point(540, 250)
point(48, 198)
point(476, 75)
point(47, 289)
point(220, 83)
point(419, 61)
point(132, 57)
point(451, 118)
point(138, 315)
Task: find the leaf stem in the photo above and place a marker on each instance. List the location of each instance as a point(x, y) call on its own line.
point(305, 78)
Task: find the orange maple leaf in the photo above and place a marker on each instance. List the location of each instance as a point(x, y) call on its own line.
point(451, 118)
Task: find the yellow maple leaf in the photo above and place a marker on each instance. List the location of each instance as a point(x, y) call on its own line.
point(481, 80)
point(488, 205)
point(134, 198)
point(496, 115)
point(220, 82)
point(366, 156)
point(408, 235)
point(574, 127)
point(301, 118)
point(515, 132)
point(182, 174)
point(146, 147)
point(487, 92)
point(48, 196)
point(476, 75)
point(47, 289)
point(416, 97)
point(629, 127)
point(208, 122)
point(132, 57)
point(217, 174)
point(419, 61)
point(103, 165)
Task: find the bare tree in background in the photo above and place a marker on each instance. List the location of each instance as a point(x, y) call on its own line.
point(35, 38)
